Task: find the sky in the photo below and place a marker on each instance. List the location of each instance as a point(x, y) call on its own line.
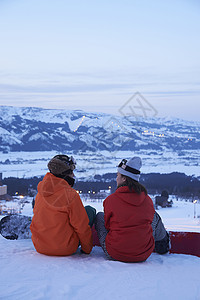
point(97, 55)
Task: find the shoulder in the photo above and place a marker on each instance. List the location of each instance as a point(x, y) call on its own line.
point(111, 196)
point(110, 199)
point(149, 198)
point(70, 191)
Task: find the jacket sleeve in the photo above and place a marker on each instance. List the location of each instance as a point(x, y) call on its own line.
point(80, 222)
point(161, 236)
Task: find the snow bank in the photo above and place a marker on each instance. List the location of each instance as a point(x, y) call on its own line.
point(25, 274)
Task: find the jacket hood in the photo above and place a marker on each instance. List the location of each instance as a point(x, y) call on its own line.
point(52, 189)
point(51, 185)
point(132, 197)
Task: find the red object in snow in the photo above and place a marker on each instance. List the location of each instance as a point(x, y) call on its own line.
point(181, 242)
point(185, 242)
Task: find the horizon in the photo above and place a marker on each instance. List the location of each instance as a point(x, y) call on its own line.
point(111, 111)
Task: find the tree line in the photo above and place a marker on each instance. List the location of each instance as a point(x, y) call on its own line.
point(175, 183)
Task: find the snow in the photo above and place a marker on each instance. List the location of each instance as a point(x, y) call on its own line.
point(171, 142)
point(26, 274)
point(73, 125)
point(30, 164)
point(7, 137)
point(37, 136)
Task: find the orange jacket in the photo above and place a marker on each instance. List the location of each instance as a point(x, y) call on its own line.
point(60, 221)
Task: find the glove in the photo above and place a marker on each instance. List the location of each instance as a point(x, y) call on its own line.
point(84, 252)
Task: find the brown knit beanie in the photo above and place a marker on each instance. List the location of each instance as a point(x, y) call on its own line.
point(61, 164)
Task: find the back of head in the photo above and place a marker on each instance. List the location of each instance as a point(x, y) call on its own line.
point(131, 170)
point(62, 165)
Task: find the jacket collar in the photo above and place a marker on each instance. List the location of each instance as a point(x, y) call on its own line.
point(123, 189)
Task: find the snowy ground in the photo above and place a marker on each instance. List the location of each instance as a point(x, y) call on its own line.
point(29, 164)
point(26, 274)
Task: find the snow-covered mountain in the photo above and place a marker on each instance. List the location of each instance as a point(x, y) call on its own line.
point(38, 129)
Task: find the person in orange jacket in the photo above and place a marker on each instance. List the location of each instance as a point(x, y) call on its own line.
point(60, 222)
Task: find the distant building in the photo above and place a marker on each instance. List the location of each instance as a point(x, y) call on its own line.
point(3, 190)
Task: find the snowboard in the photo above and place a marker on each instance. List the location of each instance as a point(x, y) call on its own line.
point(15, 227)
point(185, 242)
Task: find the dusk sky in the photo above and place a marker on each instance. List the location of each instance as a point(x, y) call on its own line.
point(95, 55)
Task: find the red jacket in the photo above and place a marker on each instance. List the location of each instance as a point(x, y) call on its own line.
point(128, 217)
point(60, 220)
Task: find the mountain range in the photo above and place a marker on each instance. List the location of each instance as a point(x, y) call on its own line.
point(38, 129)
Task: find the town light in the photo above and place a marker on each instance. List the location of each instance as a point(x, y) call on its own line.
point(195, 202)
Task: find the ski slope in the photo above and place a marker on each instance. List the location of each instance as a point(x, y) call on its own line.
point(26, 274)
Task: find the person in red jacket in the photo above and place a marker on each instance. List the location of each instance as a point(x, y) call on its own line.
point(125, 228)
point(60, 222)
